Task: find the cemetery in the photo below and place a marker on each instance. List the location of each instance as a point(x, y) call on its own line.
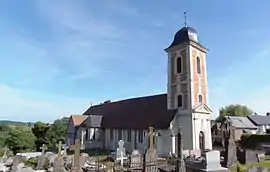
point(74, 158)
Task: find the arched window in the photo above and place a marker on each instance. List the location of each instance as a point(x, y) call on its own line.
point(202, 140)
point(200, 98)
point(179, 65)
point(180, 100)
point(198, 65)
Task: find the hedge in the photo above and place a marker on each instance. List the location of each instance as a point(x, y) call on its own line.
point(254, 140)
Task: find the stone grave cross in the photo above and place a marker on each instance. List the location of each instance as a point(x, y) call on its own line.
point(121, 149)
point(76, 148)
point(65, 147)
point(59, 145)
point(151, 137)
point(43, 149)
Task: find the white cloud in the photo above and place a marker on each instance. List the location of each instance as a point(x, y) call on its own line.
point(25, 105)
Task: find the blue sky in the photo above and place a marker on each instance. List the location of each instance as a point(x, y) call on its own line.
point(59, 56)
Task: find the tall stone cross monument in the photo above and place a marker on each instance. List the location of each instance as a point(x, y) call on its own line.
point(151, 156)
point(180, 167)
point(59, 145)
point(43, 149)
point(77, 150)
point(151, 138)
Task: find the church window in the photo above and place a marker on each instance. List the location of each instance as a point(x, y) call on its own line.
point(180, 100)
point(119, 134)
point(200, 98)
point(198, 65)
point(140, 136)
point(129, 135)
point(86, 134)
point(179, 65)
point(111, 134)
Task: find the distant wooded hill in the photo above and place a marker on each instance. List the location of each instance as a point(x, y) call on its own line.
point(7, 122)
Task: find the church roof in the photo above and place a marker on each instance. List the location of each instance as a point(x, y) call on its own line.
point(185, 34)
point(135, 113)
point(78, 119)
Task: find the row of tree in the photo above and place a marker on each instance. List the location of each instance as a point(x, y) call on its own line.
point(20, 138)
point(233, 110)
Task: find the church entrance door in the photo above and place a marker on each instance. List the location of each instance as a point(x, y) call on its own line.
point(202, 140)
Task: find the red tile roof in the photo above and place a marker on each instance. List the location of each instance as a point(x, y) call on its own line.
point(136, 113)
point(78, 119)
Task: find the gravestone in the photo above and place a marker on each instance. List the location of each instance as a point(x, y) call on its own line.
point(42, 159)
point(230, 157)
point(121, 152)
point(3, 167)
point(241, 156)
point(260, 157)
point(16, 161)
point(212, 160)
point(151, 156)
point(76, 148)
point(59, 162)
point(257, 169)
point(136, 159)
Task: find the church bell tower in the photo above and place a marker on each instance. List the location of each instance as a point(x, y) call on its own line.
point(187, 89)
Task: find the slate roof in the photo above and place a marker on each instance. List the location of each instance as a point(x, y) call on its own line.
point(78, 119)
point(184, 35)
point(135, 113)
point(259, 119)
point(241, 122)
point(93, 121)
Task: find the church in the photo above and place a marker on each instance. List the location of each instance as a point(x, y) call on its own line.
point(185, 104)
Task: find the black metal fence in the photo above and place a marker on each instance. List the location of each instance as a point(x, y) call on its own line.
point(163, 165)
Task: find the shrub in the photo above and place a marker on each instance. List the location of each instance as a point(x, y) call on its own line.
point(254, 140)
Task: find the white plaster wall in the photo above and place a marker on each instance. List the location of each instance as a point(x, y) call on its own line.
point(164, 142)
point(202, 123)
point(185, 121)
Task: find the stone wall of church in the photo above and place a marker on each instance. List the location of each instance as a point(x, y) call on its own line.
point(199, 81)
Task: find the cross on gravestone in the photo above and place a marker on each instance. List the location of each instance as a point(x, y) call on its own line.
point(121, 152)
point(76, 148)
point(59, 145)
point(43, 149)
point(151, 137)
point(65, 147)
point(151, 156)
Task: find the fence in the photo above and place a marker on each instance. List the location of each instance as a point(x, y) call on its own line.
point(164, 165)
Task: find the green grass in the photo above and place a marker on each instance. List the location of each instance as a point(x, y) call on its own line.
point(243, 168)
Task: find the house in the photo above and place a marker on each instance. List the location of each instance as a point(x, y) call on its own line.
point(262, 122)
point(241, 124)
point(184, 104)
point(73, 129)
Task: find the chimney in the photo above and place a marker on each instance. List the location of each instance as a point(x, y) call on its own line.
point(107, 101)
point(268, 114)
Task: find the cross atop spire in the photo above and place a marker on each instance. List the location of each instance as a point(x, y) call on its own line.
point(185, 17)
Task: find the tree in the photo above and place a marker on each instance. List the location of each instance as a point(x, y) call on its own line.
point(56, 132)
point(20, 138)
point(40, 131)
point(233, 110)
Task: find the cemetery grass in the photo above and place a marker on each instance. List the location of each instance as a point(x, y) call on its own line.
point(242, 168)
